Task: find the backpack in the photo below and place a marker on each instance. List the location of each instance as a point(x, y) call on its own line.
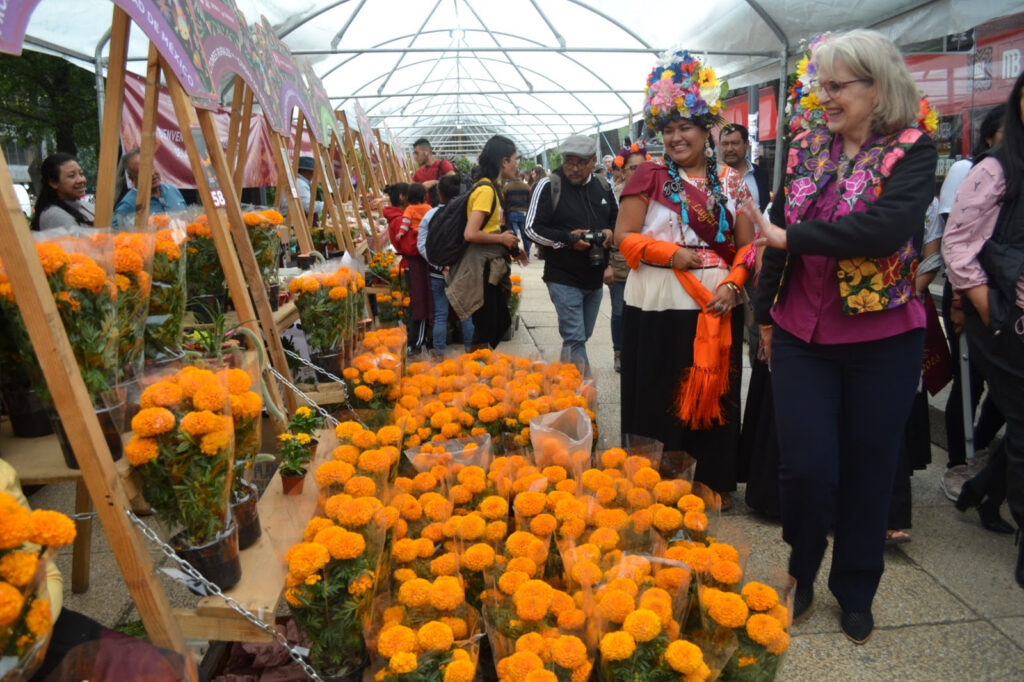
point(446, 241)
point(555, 181)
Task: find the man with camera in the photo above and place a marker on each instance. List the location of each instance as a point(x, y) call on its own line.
point(571, 218)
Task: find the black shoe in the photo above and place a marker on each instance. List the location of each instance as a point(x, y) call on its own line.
point(803, 600)
point(857, 625)
point(990, 518)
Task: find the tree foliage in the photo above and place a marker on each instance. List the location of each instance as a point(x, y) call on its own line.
point(47, 97)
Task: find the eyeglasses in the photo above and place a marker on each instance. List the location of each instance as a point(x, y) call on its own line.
point(575, 161)
point(833, 88)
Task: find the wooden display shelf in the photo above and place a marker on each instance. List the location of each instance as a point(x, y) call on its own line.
point(285, 316)
point(325, 393)
point(283, 519)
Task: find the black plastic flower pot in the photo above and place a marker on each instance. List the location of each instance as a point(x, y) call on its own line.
point(246, 515)
point(216, 560)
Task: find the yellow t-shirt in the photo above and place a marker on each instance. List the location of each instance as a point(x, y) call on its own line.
point(483, 199)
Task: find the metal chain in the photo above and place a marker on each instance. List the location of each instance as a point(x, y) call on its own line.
point(329, 419)
point(232, 603)
point(315, 368)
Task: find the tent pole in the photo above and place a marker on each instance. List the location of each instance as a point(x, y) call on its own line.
point(100, 85)
point(780, 124)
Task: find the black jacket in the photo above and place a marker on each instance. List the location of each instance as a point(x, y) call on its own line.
point(588, 207)
point(763, 188)
point(895, 216)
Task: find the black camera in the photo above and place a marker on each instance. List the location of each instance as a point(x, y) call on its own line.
point(596, 252)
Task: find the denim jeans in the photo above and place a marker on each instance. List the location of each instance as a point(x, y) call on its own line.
point(517, 223)
point(616, 291)
point(441, 318)
point(577, 313)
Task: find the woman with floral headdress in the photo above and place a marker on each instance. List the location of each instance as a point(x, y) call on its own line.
point(689, 253)
point(846, 332)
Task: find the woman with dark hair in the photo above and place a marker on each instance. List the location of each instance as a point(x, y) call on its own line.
point(846, 332)
point(479, 283)
point(60, 196)
point(984, 248)
point(681, 234)
point(958, 469)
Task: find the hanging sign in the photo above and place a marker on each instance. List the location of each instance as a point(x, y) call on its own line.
point(204, 162)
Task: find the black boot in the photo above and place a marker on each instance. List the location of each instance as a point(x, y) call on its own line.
point(988, 511)
point(803, 600)
point(968, 498)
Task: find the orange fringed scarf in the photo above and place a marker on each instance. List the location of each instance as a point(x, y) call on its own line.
point(698, 401)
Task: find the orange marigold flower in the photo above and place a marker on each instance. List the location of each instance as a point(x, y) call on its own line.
point(435, 636)
point(238, 381)
point(161, 394)
point(38, 620)
point(214, 443)
point(446, 594)
point(307, 558)
point(51, 528)
point(18, 568)
point(617, 646)
point(530, 503)
point(684, 657)
point(374, 461)
point(543, 525)
point(494, 507)
point(522, 663)
point(691, 503)
point(763, 629)
point(695, 520)
point(569, 652)
point(334, 472)
point(403, 662)
point(726, 572)
point(315, 525)
point(396, 639)
point(273, 217)
point(510, 581)
point(11, 602)
point(667, 519)
point(478, 557)
point(415, 592)
point(779, 645)
point(152, 421)
point(616, 605)
point(140, 450)
point(460, 671)
point(210, 396)
point(728, 610)
point(51, 256)
point(643, 624)
point(586, 573)
point(532, 600)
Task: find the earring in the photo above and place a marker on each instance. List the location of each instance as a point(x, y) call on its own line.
point(708, 151)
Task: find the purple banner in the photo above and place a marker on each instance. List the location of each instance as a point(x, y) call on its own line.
point(13, 22)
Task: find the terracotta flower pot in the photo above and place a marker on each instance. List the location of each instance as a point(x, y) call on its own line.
point(291, 484)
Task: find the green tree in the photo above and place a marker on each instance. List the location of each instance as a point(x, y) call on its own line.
point(554, 158)
point(46, 97)
point(463, 165)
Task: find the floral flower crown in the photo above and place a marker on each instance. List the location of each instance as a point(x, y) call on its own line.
point(802, 107)
point(635, 148)
point(680, 86)
point(927, 116)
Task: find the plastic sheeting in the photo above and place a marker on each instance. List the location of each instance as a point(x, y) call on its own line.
point(457, 71)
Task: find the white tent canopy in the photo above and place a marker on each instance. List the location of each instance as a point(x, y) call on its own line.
point(458, 71)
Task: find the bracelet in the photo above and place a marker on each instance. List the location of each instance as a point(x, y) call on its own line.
point(732, 287)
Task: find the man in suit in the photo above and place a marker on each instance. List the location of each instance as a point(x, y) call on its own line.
point(735, 143)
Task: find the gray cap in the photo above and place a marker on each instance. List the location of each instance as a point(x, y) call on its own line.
point(306, 163)
point(578, 145)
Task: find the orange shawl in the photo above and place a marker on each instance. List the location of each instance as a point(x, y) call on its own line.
point(698, 402)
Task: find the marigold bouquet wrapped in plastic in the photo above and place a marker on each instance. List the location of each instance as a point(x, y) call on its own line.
point(262, 226)
point(331, 579)
point(26, 617)
point(424, 642)
point(133, 265)
point(515, 295)
point(246, 408)
point(167, 299)
point(205, 276)
point(328, 307)
point(183, 448)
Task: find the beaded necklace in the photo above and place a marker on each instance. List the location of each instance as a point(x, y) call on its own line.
point(673, 190)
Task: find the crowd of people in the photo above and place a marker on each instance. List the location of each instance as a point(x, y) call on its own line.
point(827, 278)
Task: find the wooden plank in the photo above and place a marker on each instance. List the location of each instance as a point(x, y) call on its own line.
point(234, 121)
point(283, 518)
point(296, 212)
point(242, 155)
point(332, 201)
point(217, 629)
point(147, 144)
point(110, 131)
point(285, 316)
point(46, 331)
point(363, 194)
point(326, 393)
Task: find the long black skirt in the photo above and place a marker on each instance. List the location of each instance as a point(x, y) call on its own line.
point(759, 444)
point(657, 347)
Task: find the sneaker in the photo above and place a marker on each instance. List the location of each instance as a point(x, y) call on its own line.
point(953, 481)
point(857, 625)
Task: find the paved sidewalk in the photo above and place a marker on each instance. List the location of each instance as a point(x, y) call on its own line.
point(947, 609)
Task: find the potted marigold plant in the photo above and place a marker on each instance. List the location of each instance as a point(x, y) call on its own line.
point(306, 420)
point(246, 409)
point(205, 277)
point(167, 299)
point(296, 455)
point(26, 615)
point(183, 449)
point(328, 308)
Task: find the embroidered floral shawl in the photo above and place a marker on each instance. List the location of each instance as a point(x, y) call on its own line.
point(865, 284)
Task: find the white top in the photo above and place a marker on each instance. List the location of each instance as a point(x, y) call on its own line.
point(954, 176)
point(55, 216)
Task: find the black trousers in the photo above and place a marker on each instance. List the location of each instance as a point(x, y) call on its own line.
point(1001, 360)
point(840, 411)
